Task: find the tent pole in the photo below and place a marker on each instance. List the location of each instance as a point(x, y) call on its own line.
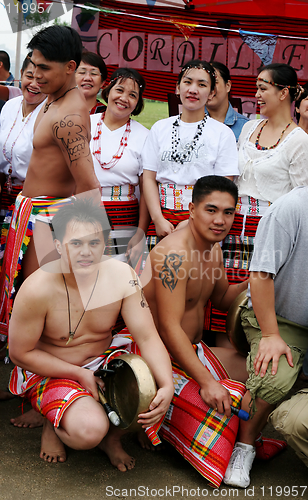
point(18, 43)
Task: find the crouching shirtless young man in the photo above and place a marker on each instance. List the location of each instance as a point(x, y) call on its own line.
point(61, 327)
point(187, 270)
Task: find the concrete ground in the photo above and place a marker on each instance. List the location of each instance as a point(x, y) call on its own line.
point(89, 474)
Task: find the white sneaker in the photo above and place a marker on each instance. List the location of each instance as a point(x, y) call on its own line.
point(237, 473)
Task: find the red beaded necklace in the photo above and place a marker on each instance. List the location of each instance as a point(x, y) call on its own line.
point(97, 144)
point(263, 148)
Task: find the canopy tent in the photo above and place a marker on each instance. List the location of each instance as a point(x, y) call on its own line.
point(158, 37)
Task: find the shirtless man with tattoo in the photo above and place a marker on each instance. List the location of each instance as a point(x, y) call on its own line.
point(60, 166)
point(61, 326)
point(61, 163)
point(187, 270)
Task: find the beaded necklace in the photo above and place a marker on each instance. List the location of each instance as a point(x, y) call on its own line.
point(123, 143)
point(263, 148)
point(10, 160)
point(181, 157)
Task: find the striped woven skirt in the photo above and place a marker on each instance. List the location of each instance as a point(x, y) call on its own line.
point(16, 233)
point(8, 199)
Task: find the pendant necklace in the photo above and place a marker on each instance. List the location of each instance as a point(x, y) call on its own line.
point(181, 157)
point(71, 334)
point(97, 149)
point(46, 107)
point(264, 148)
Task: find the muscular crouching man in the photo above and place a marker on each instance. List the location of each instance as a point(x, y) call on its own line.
point(61, 327)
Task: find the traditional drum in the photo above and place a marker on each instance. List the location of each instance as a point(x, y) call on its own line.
point(129, 388)
point(234, 327)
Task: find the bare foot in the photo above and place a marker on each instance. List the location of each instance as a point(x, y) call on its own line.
point(146, 444)
point(52, 448)
point(29, 419)
point(4, 395)
point(112, 446)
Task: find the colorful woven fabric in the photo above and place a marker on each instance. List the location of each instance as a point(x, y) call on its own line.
point(173, 216)
point(16, 233)
point(267, 448)
point(200, 434)
point(122, 213)
point(8, 199)
point(51, 397)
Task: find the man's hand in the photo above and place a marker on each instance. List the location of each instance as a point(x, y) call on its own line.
point(217, 397)
point(271, 348)
point(90, 382)
point(163, 227)
point(158, 407)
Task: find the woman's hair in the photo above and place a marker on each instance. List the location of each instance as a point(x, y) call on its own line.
point(283, 75)
point(197, 63)
point(119, 76)
point(95, 60)
point(26, 62)
point(223, 70)
point(303, 94)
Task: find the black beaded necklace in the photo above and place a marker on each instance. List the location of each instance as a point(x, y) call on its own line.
point(175, 140)
point(71, 334)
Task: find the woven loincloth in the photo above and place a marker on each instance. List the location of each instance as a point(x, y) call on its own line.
point(16, 233)
point(51, 397)
point(200, 434)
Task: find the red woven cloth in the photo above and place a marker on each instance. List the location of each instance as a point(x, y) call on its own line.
point(204, 437)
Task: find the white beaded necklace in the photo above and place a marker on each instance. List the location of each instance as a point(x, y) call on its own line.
point(5, 153)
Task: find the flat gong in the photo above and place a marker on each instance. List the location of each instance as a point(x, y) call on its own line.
point(130, 390)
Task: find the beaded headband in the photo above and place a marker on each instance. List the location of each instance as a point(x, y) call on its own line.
point(197, 67)
point(276, 84)
point(125, 77)
point(299, 88)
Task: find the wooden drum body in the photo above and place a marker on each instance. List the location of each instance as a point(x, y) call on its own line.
point(234, 327)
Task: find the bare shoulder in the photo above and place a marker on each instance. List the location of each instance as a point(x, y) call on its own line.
point(118, 274)
point(216, 254)
point(38, 288)
point(174, 247)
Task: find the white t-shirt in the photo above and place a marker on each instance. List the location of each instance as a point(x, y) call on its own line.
point(215, 152)
point(268, 174)
point(128, 169)
point(19, 153)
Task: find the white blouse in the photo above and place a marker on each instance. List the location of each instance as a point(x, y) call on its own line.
point(268, 174)
point(16, 138)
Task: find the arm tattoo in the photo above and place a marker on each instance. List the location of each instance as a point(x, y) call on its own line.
point(72, 136)
point(143, 302)
point(169, 271)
